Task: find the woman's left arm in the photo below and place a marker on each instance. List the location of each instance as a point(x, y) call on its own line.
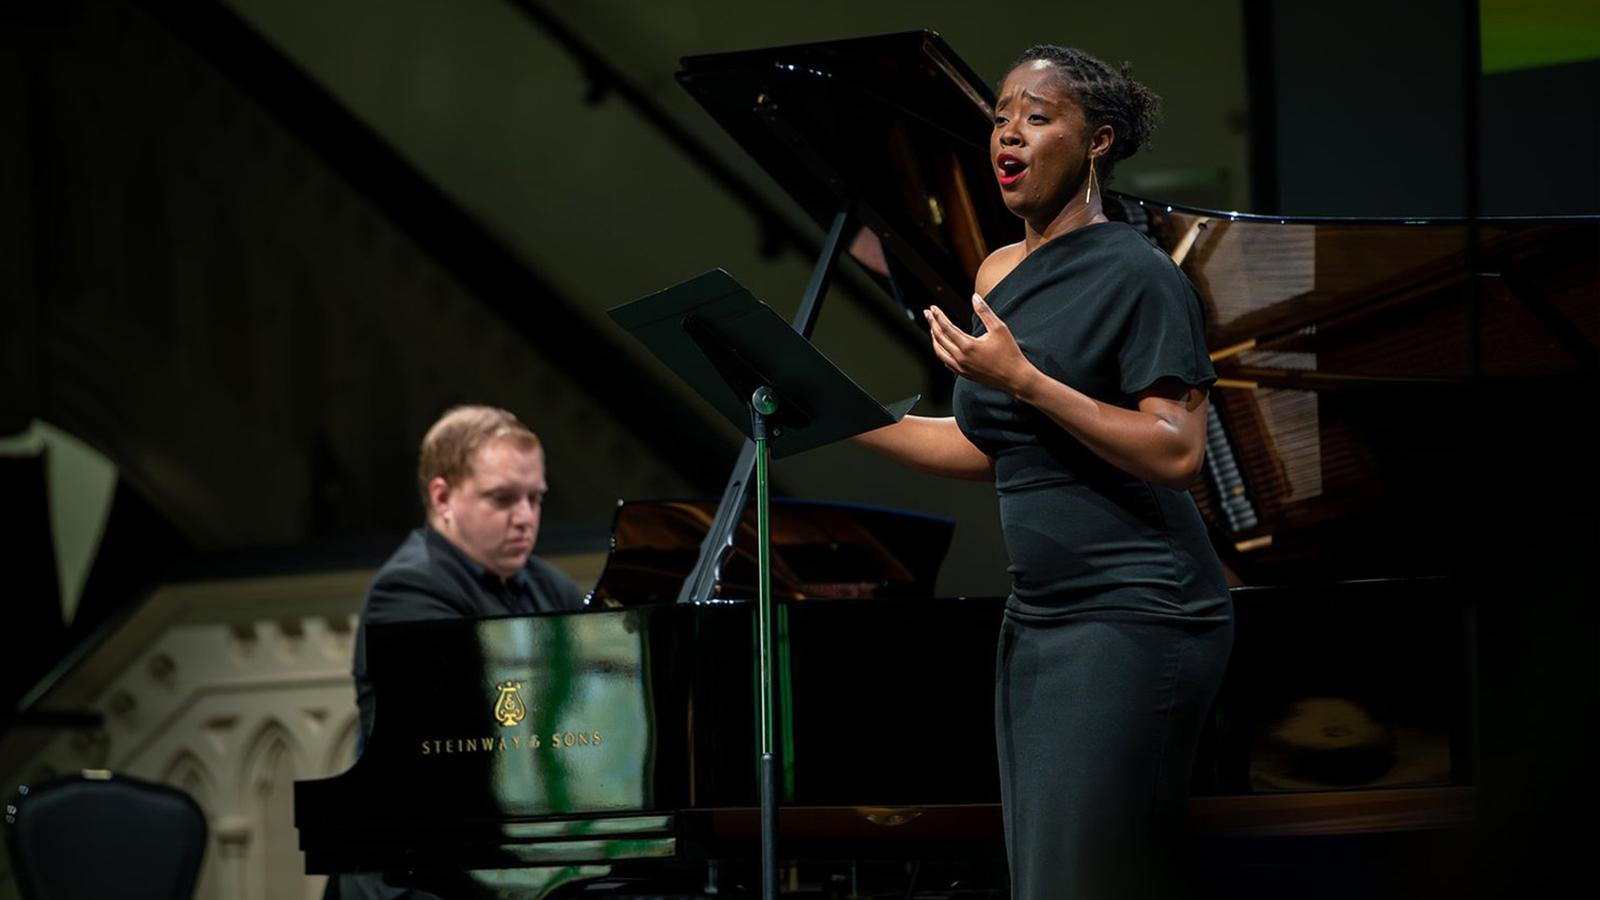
point(1163, 441)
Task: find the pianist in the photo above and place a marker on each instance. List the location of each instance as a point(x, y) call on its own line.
point(482, 480)
point(1081, 392)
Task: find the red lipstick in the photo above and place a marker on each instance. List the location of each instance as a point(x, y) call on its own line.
point(1009, 169)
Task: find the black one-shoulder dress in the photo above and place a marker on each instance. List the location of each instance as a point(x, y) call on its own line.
point(1118, 626)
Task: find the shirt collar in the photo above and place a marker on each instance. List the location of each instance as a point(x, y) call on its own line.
point(481, 574)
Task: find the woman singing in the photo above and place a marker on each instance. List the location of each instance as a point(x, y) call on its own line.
point(1081, 392)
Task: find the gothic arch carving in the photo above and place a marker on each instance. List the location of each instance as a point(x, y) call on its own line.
point(266, 787)
point(342, 749)
point(272, 744)
point(187, 773)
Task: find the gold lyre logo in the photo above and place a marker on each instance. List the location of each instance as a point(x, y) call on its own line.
point(509, 709)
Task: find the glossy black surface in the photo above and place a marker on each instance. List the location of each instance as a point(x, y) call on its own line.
point(886, 747)
point(633, 717)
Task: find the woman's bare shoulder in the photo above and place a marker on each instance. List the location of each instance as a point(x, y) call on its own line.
point(997, 266)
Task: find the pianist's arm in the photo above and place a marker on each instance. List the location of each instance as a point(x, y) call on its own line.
point(399, 594)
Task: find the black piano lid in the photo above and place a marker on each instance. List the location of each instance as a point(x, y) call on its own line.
point(897, 127)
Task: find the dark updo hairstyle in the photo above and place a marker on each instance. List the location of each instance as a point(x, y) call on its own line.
point(1108, 97)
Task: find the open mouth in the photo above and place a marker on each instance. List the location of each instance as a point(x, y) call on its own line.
point(1009, 169)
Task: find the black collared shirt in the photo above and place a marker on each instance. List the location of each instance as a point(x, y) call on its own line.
point(429, 578)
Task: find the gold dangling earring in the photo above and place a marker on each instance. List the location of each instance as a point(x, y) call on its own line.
point(1089, 188)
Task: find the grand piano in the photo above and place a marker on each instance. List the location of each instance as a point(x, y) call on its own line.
point(1372, 405)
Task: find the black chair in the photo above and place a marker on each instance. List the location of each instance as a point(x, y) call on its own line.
point(97, 836)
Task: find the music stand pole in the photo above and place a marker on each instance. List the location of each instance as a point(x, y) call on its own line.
point(764, 403)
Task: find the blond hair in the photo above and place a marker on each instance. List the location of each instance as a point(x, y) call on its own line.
point(449, 446)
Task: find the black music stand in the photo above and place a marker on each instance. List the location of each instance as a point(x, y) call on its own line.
point(778, 389)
